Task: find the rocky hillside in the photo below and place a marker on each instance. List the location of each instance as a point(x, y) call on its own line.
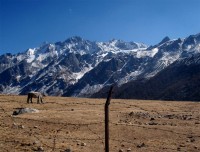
point(179, 81)
point(78, 67)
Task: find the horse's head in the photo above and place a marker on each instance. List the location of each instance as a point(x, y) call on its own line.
point(44, 94)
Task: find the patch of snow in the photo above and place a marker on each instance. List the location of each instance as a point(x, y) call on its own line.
point(37, 65)
point(89, 90)
point(52, 46)
point(154, 51)
point(80, 74)
point(11, 90)
point(111, 47)
point(126, 51)
point(104, 54)
point(189, 47)
point(81, 52)
point(132, 76)
point(41, 57)
point(197, 48)
point(20, 57)
point(168, 58)
point(46, 87)
point(141, 53)
point(55, 53)
point(107, 60)
point(31, 51)
point(31, 75)
point(141, 45)
point(18, 77)
point(123, 66)
point(30, 59)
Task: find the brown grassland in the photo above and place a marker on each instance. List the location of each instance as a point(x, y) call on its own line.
point(78, 124)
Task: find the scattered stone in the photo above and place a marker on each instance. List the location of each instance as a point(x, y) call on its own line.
point(170, 116)
point(68, 150)
point(185, 117)
point(195, 147)
point(152, 123)
point(131, 113)
point(129, 149)
point(21, 126)
point(139, 114)
point(122, 145)
point(121, 150)
point(164, 123)
point(36, 142)
point(24, 110)
point(178, 149)
point(40, 149)
point(181, 117)
point(190, 136)
point(24, 144)
point(83, 144)
point(14, 125)
point(152, 119)
point(35, 126)
point(140, 145)
point(197, 123)
point(72, 109)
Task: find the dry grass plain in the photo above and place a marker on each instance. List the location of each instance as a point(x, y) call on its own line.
point(78, 124)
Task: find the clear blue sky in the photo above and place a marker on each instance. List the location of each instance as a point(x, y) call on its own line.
point(27, 23)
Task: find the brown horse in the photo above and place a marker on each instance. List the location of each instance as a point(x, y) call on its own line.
point(37, 95)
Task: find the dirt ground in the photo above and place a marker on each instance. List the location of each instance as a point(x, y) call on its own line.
point(77, 124)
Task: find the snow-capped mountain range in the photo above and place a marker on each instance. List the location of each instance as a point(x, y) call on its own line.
point(179, 81)
point(78, 67)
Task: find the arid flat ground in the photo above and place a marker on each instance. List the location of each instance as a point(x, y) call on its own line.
point(78, 124)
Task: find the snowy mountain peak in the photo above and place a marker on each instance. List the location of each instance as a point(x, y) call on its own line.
point(74, 39)
point(165, 39)
point(30, 51)
point(77, 66)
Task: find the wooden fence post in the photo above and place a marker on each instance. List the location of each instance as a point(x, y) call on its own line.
point(107, 120)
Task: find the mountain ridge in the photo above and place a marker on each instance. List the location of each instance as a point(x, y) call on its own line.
point(78, 67)
point(179, 81)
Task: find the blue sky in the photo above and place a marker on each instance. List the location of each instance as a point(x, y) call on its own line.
point(28, 23)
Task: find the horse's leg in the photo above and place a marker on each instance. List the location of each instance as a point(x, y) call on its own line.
point(31, 99)
point(41, 99)
point(28, 98)
point(38, 98)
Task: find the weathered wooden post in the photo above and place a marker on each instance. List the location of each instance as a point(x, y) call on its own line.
point(107, 120)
